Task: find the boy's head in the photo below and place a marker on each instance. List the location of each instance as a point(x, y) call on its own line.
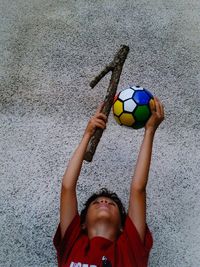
point(104, 204)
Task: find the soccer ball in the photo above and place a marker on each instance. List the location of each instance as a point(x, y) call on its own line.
point(132, 107)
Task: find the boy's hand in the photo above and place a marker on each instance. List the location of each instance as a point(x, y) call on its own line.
point(98, 120)
point(157, 116)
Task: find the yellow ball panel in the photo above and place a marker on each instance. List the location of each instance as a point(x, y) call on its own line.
point(152, 103)
point(117, 120)
point(118, 108)
point(127, 119)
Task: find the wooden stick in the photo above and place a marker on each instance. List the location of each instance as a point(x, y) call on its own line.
point(116, 67)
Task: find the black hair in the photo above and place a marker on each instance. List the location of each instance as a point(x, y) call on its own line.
point(104, 192)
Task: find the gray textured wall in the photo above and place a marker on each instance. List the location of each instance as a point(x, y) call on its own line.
point(50, 51)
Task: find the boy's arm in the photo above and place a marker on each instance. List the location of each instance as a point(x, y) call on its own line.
point(137, 202)
point(68, 199)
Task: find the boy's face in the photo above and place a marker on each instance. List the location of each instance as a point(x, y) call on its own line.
point(103, 209)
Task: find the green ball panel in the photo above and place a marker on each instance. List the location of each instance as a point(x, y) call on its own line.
point(142, 113)
point(138, 125)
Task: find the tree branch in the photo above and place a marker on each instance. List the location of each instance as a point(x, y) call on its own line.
point(116, 67)
point(107, 69)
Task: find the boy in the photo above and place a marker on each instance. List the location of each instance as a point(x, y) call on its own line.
point(104, 235)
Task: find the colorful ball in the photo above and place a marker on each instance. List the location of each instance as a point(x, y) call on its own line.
point(132, 107)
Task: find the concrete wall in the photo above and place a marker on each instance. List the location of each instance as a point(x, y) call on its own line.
point(50, 51)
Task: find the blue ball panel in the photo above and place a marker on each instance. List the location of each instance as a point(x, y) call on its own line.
point(150, 94)
point(141, 98)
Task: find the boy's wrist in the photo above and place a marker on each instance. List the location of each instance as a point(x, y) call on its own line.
point(87, 136)
point(150, 131)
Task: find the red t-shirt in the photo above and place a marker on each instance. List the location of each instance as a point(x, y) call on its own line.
point(76, 250)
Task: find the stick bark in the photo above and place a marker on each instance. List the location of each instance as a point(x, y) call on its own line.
point(116, 67)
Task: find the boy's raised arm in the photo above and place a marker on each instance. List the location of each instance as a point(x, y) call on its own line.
point(68, 200)
point(137, 202)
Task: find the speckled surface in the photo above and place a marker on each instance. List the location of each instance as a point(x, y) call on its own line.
point(50, 51)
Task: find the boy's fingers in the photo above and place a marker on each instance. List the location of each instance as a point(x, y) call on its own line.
point(99, 113)
point(99, 123)
point(102, 116)
point(158, 106)
point(162, 110)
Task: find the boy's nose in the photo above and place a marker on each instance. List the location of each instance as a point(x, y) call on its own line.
point(104, 200)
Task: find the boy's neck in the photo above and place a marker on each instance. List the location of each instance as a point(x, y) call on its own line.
point(103, 230)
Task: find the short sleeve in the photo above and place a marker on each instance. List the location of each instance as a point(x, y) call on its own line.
point(140, 249)
point(63, 246)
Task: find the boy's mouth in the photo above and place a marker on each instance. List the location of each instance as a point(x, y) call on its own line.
point(103, 206)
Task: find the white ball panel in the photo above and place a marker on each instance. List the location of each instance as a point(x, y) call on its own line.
point(129, 105)
point(126, 94)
